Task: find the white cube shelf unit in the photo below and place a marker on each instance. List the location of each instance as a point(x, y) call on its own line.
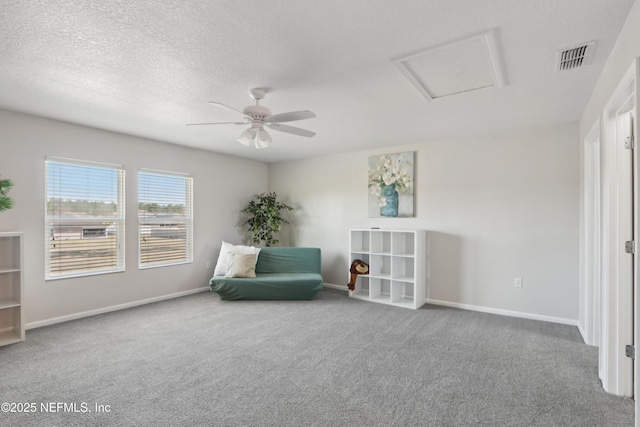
point(11, 290)
point(397, 266)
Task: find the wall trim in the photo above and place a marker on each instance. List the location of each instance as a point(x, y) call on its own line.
point(584, 335)
point(490, 310)
point(74, 316)
point(332, 286)
point(509, 313)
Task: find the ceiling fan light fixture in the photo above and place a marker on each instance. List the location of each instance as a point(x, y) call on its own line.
point(263, 139)
point(246, 137)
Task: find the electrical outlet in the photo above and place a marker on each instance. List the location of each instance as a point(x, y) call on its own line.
point(208, 264)
point(518, 282)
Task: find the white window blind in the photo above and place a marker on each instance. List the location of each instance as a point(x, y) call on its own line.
point(84, 218)
point(165, 218)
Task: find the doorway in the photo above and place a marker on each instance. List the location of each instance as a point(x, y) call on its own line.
point(592, 233)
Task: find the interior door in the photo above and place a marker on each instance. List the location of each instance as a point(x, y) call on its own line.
point(626, 215)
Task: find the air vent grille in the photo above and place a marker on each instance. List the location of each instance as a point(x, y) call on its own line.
point(574, 57)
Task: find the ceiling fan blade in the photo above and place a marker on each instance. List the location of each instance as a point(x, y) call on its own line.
point(290, 117)
point(291, 129)
point(216, 123)
point(226, 108)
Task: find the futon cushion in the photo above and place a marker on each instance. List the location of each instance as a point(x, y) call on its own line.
point(269, 286)
point(289, 260)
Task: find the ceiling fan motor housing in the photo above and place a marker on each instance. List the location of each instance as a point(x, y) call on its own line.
point(257, 112)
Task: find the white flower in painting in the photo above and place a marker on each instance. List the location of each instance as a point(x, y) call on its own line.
point(391, 169)
point(388, 179)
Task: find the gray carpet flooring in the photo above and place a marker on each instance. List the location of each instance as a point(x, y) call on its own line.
point(334, 361)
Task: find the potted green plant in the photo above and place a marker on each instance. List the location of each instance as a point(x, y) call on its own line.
point(6, 202)
point(264, 217)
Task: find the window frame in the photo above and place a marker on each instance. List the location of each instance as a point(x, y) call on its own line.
point(120, 219)
point(187, 219)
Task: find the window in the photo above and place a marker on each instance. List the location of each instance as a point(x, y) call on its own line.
point(84, 219)
point(165, 218)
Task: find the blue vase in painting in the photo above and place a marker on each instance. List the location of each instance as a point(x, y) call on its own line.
point(391, 198)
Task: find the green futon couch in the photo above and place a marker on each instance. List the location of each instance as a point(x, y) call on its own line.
point(281, 274)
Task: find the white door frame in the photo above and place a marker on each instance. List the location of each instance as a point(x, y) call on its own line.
point(617, 303)
point(592, 207)
point(635, 69)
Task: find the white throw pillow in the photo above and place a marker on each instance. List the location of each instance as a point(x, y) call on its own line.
point(241, 265)
point(221, 265)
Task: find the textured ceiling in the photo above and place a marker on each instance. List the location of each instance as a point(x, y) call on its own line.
point(147, 67)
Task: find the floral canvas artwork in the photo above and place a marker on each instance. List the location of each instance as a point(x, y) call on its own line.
point(391, 185)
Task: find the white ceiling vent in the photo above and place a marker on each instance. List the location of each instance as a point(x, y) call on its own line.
point(574, 57)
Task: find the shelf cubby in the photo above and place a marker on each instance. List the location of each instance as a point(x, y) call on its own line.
point(402, 293)
point(380, 266)
point(403, 268)
point(380, 290)
point(403, 244)
point(359, 241)
point(362, 287)
point(359, 255)
point(381, 242)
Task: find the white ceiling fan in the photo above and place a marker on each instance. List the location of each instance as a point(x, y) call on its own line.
point(257, 117)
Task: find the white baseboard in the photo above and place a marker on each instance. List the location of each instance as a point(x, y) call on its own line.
point(332, 286)
point(489, 310)
point(103, 310)
point(582, 333)
point(506, 312)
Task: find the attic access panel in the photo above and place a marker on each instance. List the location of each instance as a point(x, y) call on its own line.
point(462, 66)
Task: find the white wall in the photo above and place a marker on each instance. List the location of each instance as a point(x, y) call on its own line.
point(625, 50)
point(498, 207)
point(222, 186)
